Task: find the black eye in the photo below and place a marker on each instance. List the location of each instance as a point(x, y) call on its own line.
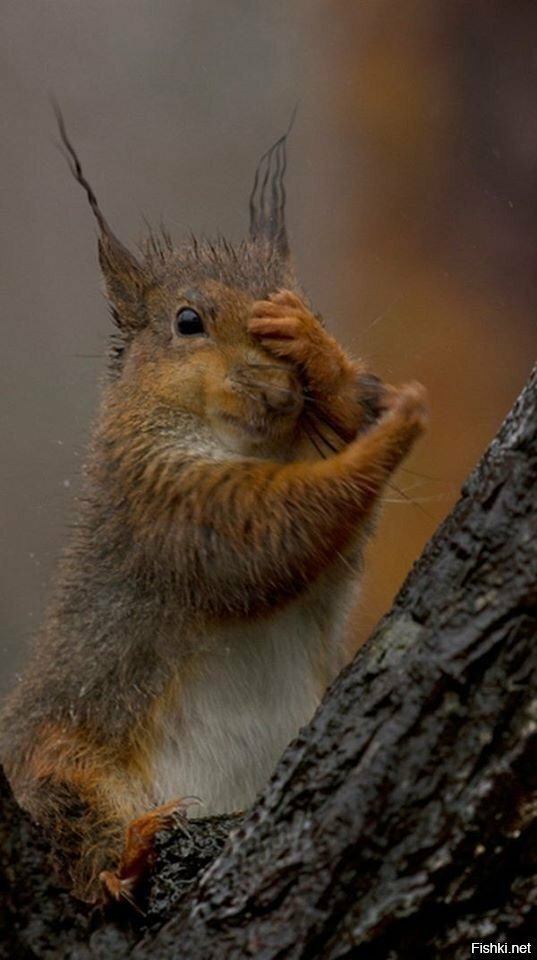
point(188, 322)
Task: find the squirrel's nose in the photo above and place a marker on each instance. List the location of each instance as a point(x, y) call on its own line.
point(279, 398)
point(277, 388)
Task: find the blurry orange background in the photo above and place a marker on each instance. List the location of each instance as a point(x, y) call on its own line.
point(437, 274)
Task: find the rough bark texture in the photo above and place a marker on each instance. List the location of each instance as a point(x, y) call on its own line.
point(400, 823)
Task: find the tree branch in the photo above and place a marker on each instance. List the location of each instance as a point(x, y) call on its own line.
point(399, 823)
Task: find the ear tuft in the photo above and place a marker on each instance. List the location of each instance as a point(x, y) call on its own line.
point(124, 276)
point(267, 199)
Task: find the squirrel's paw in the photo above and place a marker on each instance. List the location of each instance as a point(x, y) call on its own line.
point(408, 404)
point(287, 329)
point(138, 856)
point(284, 325)
point(405, 416)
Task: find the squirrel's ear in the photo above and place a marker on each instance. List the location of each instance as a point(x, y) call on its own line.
point(267, 199)
point(123, 274)
point(124, 278)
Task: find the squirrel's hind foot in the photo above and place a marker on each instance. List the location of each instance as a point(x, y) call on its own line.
point(138, 856)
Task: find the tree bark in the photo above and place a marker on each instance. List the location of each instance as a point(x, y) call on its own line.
point(401, 822)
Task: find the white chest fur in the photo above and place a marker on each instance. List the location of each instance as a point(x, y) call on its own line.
point(257, 684)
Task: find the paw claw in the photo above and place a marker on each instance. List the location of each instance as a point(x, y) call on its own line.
point(288, 298)
point(137, 859)
point(118, 888)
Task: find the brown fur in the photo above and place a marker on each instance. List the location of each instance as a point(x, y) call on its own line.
point(229, 474)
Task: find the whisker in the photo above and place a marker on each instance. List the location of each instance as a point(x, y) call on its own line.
point(314, 444)
point(331, 426)
point(273, 386)
point(309, 399)
point(422, 476)
point(415, 485)
point(251, 396)
point(322, 437)
point(346, 562)
point(415, 501)
point(132, 902)
point(408, 499)
point(265, 366)
point(382, 315)
point(260, 384)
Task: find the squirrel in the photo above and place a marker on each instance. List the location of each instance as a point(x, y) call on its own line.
point(235, 470)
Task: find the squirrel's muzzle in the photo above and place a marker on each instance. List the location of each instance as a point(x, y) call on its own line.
point(272, 385)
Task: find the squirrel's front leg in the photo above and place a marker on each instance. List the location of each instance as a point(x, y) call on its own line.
point(340, 394)
point(242, 537)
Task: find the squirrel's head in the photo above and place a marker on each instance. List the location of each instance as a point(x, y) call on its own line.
point(181, 346)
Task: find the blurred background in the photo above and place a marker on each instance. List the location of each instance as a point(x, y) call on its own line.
point(412, 210)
